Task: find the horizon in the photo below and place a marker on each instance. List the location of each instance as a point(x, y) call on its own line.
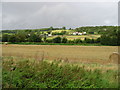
point(59, 27)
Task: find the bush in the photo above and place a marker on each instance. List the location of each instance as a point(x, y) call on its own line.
point(57, 40)
point(87, 40)
point(77, 41)
point(5, 38)
point(70, 41)
point(49, 40)
point(12, 38)
point(35, 38)
point(97, 40)
point(64, 40)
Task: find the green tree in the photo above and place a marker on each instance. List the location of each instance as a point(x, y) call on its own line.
point(5, 38)
point(77, 41)
point(21, 37)
point(35, 38)
point(105, 40)
point(51, 28)
point(64, 28)
point(12, 38)
point(87, 40)
point(44, 38)
point(97, 40)
point(63, 32)
point(92, 41)
point(49, 40)
point(49, 32)
point(64, 40)
point(57, 40)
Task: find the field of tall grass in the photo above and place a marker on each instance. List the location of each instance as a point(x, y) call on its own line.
point(31, 73)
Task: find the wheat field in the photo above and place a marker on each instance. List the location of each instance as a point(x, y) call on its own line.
point(87, 54)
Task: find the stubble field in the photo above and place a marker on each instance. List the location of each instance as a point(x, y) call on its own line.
point(86, 54)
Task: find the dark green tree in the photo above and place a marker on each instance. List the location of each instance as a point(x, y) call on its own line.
point(57, 40)
point(97, 40)
point(12, 38)
point(77, 41)
point(64, 28)
point(44, 38)
point(35, 38)
point(51, 28)
point(64, 40)
point(63, 32)
point(87, 40)
point(49, 32)
point(5, 38)
point(21, 37)
point(49, 40)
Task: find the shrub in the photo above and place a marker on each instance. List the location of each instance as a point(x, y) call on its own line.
point(77, 41)
point(5, 38)
point(57, 40)
point(64, 40)
point(49, 40)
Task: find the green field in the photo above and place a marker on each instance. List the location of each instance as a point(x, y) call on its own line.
point(72, 37)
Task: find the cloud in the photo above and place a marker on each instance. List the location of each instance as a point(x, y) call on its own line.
point(24, 15)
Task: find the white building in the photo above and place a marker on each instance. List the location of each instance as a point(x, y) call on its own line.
point(49, 35)
point(84, 33)
point(79, 33)
point(74, 33)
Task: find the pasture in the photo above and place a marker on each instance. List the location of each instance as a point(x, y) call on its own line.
point(72, 37)
point(62, 30)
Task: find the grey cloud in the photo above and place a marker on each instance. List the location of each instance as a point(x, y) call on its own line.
point(46, 14)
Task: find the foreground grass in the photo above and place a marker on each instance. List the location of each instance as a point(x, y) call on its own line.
point(43, 74)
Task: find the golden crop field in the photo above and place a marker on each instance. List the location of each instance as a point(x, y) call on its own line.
point(87, 54)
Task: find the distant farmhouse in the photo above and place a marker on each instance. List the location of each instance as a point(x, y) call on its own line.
point(79, 33)
point(49, 34)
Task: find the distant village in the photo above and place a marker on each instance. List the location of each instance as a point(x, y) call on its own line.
point(74, 33)
point(79, 33)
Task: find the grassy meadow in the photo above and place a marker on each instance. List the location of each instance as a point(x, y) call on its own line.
point(72, 37)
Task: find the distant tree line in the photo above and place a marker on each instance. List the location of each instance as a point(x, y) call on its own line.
point(104, 39)
point(34, 30)
point(97, 29)
point(38, 38)
point(110, 36)
point(88, 29)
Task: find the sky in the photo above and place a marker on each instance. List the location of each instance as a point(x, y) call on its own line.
point(35, 15)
